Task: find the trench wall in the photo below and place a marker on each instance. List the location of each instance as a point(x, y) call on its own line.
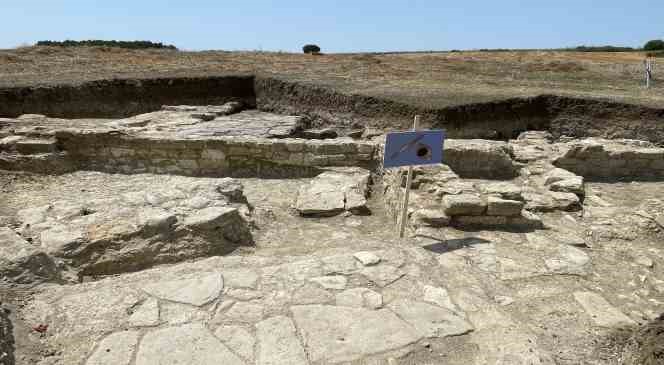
point(498, 120)
point(121, 98)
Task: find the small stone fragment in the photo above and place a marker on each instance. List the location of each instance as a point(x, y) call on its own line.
point(367, 258)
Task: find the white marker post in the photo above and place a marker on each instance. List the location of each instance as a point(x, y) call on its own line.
point(409, 178)
point(648, 64)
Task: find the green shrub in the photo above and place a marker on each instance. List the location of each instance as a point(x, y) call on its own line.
point(654, 45)
point(311, 48)
point(103, 43)
point(603, 49)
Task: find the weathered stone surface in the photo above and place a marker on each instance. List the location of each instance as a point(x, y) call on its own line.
point(332, 192)
point(210, 218)
point(430, 320)
point(367, 258)
point(22, 262)
point(557, 175)
point(135, 229)
point(596, 157)
point(187, 344)
point(439, 296)
point(335, 334)
point(238, 339)
point(431, 217)
point(360, 298)
point(171, 313)
point(463, 204)
point(246, 312)
point(570, 260)
point(600, 311)
point(475, 158)
point(278, 343)
point(503, 207)
point(573, 185)
point(383, 274)
point(503, 190)
point(240, 278)
point(336, 282)
point(566, 201)
point(311, 293)
point(196, 291)
point(324, 133)
point(551, 201)
point(146, 315)
point(117, 348)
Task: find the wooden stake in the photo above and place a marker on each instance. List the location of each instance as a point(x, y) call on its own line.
point(409, 178)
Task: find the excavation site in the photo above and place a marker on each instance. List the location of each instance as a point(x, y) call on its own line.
point(249, 219)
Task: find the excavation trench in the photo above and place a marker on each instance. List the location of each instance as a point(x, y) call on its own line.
point(323, 107)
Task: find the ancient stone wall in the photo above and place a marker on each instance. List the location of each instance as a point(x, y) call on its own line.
point(601, 158)
point(221, 156)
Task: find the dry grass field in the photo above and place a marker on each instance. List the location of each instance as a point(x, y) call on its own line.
point(424, 79)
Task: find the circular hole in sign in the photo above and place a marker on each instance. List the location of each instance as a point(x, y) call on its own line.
point(424, 152)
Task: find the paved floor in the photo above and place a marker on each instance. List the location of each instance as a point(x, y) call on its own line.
point(344, 290)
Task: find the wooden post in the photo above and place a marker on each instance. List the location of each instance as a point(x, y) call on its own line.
point(409, 178)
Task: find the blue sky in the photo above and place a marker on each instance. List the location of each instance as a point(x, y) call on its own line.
point(337, 26)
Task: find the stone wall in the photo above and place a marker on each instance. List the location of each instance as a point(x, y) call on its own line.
point(476, 158)
point(601, 158)
point(217, 156)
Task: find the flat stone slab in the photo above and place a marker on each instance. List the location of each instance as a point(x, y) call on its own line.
point(359, 298)
point(601, 312)
point(278, 343)
point(146, 315)
point(196, 291)
point(430, 320)
point(335, 334)
point(333, 192)
point(238, 339)
point(187, 344)
point(116, 349)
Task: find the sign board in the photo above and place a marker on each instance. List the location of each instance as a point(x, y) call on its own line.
point(414, 148)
